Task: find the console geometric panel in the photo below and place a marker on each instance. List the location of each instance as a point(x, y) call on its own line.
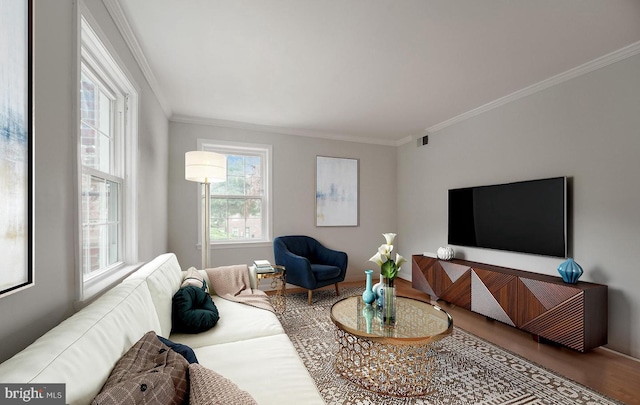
point(454, 271)
point(484, 302)
point(460, 291)
point(549, 295)
point(563, 323)
point(529, 306)
point(442, 280)
point(423, 274)
point(504, 288)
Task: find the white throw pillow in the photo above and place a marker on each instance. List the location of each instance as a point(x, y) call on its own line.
point(192, 277)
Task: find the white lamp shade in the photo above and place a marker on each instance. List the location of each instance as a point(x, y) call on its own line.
point(205, 167)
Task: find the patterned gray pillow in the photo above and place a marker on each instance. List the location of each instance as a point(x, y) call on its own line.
point(210, 388)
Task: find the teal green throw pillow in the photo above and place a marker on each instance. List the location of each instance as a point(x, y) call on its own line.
point(193, 311)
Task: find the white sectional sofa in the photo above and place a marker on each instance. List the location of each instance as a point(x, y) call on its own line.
point(247, 346)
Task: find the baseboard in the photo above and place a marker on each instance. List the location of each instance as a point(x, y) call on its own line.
point(626, 356)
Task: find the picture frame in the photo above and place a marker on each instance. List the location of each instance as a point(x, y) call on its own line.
point(337, 191)
point(16, 146)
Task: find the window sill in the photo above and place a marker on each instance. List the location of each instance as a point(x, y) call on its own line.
point(97, 286)
point(237, 245)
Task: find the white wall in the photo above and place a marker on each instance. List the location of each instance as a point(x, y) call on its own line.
point(588, 129)
point(27, 314)
point(293, 187)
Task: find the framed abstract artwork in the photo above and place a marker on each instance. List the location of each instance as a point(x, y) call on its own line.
point(16, 146)
point(337, 191)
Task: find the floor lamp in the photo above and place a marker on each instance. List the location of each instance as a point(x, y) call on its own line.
point(205, 168)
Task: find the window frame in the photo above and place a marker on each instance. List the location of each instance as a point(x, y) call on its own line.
point(97, 57)
point(226, 148)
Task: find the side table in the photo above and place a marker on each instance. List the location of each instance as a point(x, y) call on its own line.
point(279, 285)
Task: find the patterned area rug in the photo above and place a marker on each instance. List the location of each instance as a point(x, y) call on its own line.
point(469, 370)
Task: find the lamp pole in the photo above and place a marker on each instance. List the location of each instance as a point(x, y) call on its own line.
point(206, 227)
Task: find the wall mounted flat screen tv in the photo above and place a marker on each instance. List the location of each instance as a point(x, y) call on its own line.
point(526, 217)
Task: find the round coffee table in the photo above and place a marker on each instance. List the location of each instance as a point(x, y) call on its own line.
point(388, 360)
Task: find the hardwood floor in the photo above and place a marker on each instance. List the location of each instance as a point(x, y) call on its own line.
point(603, 370)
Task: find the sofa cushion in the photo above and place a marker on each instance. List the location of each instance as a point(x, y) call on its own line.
point(193, 311)
point(149, 372)
point(183, 350)
point(210, 388)
point(268, 368)
point(325, 272)
point(238, 322)
point(163, 276)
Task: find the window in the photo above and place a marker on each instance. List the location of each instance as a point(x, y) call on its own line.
point(240, 205)
point(107, 144)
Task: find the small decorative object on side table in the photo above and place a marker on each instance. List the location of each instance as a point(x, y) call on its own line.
point(279, 284)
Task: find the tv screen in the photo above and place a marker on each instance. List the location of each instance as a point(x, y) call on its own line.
point(526, 217)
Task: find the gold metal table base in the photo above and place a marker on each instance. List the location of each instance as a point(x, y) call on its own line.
point(279, 285)
point(398, 370)
point(277, 299)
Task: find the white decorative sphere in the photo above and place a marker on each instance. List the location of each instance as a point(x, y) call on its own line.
point(445, 253)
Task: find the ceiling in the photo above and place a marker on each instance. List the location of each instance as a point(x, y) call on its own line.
point(378, 71)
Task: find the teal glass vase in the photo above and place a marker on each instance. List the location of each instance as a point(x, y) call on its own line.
point(368, 296)
point(570, 271)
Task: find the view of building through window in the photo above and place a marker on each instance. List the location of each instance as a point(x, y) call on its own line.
point(239, 203)
point(100, 187)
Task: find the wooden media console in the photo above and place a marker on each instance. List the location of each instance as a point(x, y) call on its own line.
point(573, 315)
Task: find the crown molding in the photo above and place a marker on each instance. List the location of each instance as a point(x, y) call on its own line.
point(608, 59)
point(119, 18)
point(115, 10)
point(186, 119)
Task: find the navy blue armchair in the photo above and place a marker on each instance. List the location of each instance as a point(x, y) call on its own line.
point(309, 264)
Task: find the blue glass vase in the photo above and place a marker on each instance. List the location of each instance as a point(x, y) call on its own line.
point(570, 271)
point(368, 295)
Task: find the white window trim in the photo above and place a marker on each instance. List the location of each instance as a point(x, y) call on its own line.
point(121, 80)
point(227, 146)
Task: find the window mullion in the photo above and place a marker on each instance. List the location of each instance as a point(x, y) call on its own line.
point(102, 175)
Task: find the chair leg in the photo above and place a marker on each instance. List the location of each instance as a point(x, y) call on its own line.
point(337, 292)
point(310, 296)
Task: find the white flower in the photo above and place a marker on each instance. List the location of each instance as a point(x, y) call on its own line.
point(389, 237)
point(385, 250)
point(388, 267)
point(378, 259)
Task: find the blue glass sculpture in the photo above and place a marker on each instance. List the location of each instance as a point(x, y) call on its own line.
point(570, 271)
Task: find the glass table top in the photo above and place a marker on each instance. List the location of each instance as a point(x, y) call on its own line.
point(416, 321)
